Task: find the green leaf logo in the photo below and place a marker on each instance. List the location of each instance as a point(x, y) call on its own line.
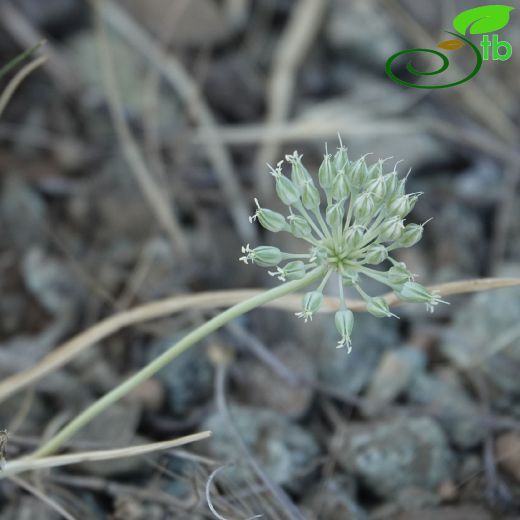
point(484, 19)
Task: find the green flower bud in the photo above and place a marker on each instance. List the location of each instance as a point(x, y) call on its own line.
point(310, 196)
point(358, 172)
point(398, 206)
point(398, 274)
point(376, 254)
point(391, 185)
point(264, 256)
point(363, 208)
point(287, 192)
point(341, 159)
point(326, 173)
point(311, 303)
point(291, 271)
point(375, 170)
point(400, 189)
point(270, 220)
point(412, 233)
point(335, 213)
point(412, 200)
point(414, 292)
point(299, 227)
point(378, 307)
point(354, 236)
point(340, 186)
point(299, 174)
point(294, 270)
point(344, 321)
point(377, 187)
point(391, 229)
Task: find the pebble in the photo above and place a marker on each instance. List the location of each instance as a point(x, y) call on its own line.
point(284, 449)
point(485, 339)
point(188, 380)
point(507, 448)
point(334, 499)
point(391, 455)
point(261, 386)
point(451, 404)
point(114, 428)
point(393, 375)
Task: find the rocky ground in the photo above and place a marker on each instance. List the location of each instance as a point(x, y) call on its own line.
point(420, 421)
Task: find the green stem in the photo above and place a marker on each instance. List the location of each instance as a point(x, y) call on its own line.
point(161, 361)
point(322, 222)
point(299, 206)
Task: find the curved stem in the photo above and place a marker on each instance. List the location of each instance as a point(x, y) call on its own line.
point(322, 222)
point(378, 276)
point(161, 361)
point(303, 212)
point(342, 304)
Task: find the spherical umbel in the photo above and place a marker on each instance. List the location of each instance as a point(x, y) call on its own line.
point(353, 223)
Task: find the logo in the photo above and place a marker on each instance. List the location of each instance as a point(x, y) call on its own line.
point(480, 20)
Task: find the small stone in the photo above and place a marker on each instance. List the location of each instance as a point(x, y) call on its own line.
point(188, 381)
point(51, 281)
point(198, 23)
point(333, 500)
point(448, 491)
point(451, 404)
point(480, 339)
point(414, 498)
point(114, 428)
point(457, 231)
point(261, 386)
point(285, 450)
point(507, 448)
point(150, 395)
point(18, 198)
point(349, 27)
point(54, 16)
point(393, 375)
point(392, 455)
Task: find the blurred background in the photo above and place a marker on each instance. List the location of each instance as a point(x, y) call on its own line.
point(129, 163)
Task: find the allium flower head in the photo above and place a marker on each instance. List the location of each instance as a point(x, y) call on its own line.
point(352, 224)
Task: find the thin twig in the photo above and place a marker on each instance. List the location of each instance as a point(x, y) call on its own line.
point(326, 127)
point(177, 77)
point(264, 354)
point(207, 300)
point(41, 496)
point(20, 465)
point(17, 80)
point(504, 215)
point(280, 495)
point(154, 195)
point(209, 500)
point(24, 32)
point(110, 487)
point(17, 60)
point(290, 53)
